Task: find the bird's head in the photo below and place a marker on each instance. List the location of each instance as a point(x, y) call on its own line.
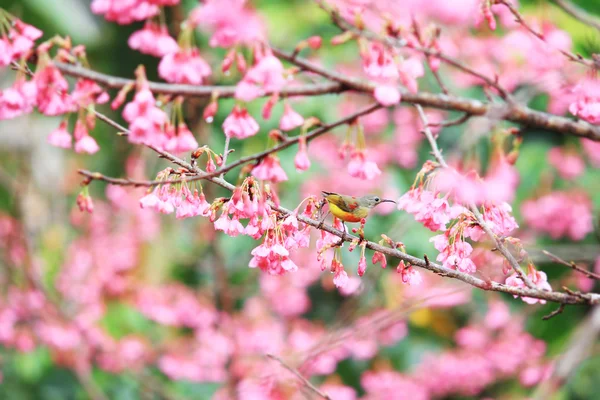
point(372, 200)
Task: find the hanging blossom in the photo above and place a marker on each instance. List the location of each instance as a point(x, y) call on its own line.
point(239, 25)
point(239, 124)
point(290, 119)
point(153, 39)
point(568, 163)
point(146, 121)
point(184, 65)
point(17, 42)
point(52, 88)
point(454, 252)
point(538, 278)
point(127, 11)
point(265, 76)
point(269, 169)
point(587, 101)
point(560, 214)
point(19, 99)
point(429, 209)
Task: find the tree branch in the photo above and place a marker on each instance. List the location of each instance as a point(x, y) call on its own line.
point(578, 13)
point(301, 377)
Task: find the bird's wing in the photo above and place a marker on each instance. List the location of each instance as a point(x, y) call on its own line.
point(345, 203)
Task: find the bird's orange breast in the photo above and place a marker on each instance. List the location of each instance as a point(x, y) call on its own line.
point(354, 216)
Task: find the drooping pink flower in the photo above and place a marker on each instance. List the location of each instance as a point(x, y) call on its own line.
point(378, 62)
point(409, 70)
point(362, 266)
point(18, 99)
point(410, 276)
point(387, 95)
point(146, 121)
point(265, 76)
point(84, 143)
point(360, 167)
point(127, 11)
point(560, 214)
point(153, 39)
point(18, 42)
point(454, 253)
point(569, 164)
point(87, 92)
point(240, 124)
point(184, 66)
point(587, 103)
point(181, 141)
point(239, 25)
point(269, 169)
point(60, 137)
point(302, 161)
point(290, 119)
point(538, 278)
point(52, 91)
point(428, 209)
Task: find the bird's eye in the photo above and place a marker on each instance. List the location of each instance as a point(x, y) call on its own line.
point(377, 199)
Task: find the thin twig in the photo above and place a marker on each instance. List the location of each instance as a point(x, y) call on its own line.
point(519, 18)
point(572, 264)
point(225, 168)
point(225, 153)
point(517, 113)
point(497, 242)
point(578, 13)
point(554, 313)
point(444, 124)
point(301, 377)
point(567, 298)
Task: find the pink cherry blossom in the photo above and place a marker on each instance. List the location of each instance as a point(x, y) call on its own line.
point(587, 103)
point(454, 253)
point(240, 124)
point(60, 137)
point(128, 11)
point(84, 143)
point(18, 42)
point(18, 99)
point(428, 209)
point(410, 276)
point(290, 119)
point(387, 95)
point(538, 278)
point(52, 91)
point(184, 66)
point(360, 167)
point(265, 76)
point(378, 62)
point(239, 25)
point(154, 40)
point(560, 214)
point(182, 141)
point(269, 169)
point(302, 161)
point(569, 164)
point(146, 121)
point(409, 70)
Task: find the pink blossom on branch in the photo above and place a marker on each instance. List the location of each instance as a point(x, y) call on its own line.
point(184, 66)
point(538, 278)
point(154, 40)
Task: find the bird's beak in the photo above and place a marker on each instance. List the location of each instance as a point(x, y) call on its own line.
point(388, 201)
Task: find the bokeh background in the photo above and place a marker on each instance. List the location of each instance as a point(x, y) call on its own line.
point(38, 186)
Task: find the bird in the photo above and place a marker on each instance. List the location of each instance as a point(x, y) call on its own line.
point(350, 208)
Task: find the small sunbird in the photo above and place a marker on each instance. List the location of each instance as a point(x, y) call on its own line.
point(350, 208)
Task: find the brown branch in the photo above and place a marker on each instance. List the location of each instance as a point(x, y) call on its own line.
point(458, 121)
point(578, 13)
point(513, 113)
point(399, 43)
point(114, 82)
point(572, 264)
point(510, 112)
point(559, 297)
point(519, 18)
point(554, 313)
point(221, 171)
point(497, 242)
point(301, 377)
